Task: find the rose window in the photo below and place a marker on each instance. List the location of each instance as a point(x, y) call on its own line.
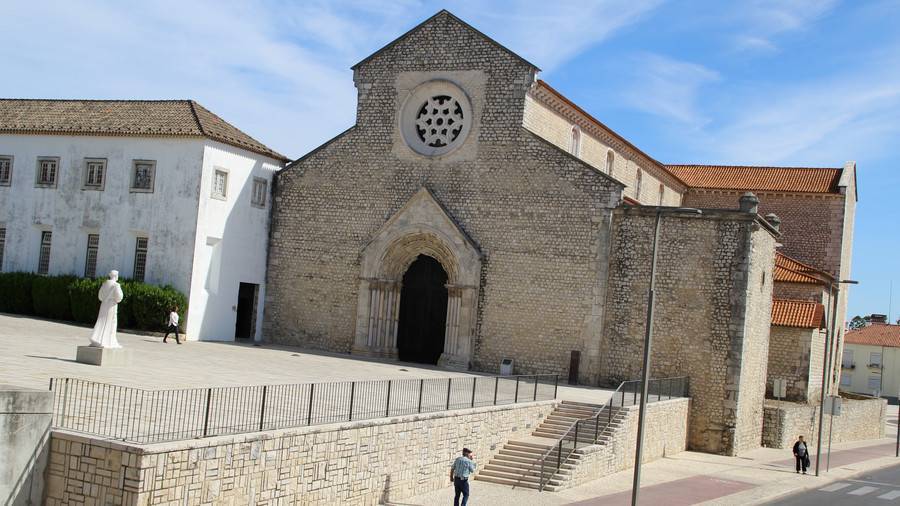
point(439, 121)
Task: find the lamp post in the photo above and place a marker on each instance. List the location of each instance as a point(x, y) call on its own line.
point(648, 338)
point(827, 370)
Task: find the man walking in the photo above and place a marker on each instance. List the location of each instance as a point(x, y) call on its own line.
point(173, 325)
point(801, 454)
point(462, 468)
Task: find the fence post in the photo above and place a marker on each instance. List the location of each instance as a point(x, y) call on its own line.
point(387, 410)
point(474, 381)
point(496, 384)
point(596, 428)
point(449, 382)
point(576, 433)
point(206, 416)
point(559, 455)
point(262, 410)
point(555, 385)
point(312, 387)
point(352, 392)
point(536, 378)
point(421, 387)
point(517, 391)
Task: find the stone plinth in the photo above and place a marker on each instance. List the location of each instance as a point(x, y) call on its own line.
point(114, 357)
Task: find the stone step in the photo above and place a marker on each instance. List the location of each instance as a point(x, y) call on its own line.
point(506, 481)
point(513, 462)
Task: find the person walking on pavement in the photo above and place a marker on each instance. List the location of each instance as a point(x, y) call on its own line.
point(460, 471)
point(801, 454)
point(173, 325)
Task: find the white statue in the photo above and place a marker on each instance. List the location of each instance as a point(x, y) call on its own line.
point(104, 335)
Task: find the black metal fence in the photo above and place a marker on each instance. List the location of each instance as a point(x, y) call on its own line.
point(150, 416)
point(591, 430)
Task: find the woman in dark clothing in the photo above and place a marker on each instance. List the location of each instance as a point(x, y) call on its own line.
point(801, 454)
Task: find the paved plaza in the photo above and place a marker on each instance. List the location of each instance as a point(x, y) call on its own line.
point(36, 350)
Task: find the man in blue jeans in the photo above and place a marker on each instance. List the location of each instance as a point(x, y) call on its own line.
point(460, 471)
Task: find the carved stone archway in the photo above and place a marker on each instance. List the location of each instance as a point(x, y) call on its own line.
point(421, 227)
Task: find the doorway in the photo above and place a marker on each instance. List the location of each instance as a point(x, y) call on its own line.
point(245, 323)
point(423, 312)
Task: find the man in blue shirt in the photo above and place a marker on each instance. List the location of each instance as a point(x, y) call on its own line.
point(462, 468)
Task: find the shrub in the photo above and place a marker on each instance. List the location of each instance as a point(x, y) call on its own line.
point(151, 304)
point(50, 296)
point(83, 299)
point(16, 290)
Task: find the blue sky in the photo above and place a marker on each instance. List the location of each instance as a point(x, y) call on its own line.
point(787, 82)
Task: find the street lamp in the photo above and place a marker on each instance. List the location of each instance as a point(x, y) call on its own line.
point(648, 338)
point(827, 371)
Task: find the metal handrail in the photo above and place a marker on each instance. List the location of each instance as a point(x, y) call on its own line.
point(595, 419)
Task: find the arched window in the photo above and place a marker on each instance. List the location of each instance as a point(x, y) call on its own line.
point(610, 161)
point(662, 193)
point(637, 185)
point(575, 142)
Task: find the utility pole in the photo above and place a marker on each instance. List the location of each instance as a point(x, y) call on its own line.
point(648, 340)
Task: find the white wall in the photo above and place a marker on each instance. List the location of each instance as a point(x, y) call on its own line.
point(889, 374)
point(167, 216)
point(230, 244)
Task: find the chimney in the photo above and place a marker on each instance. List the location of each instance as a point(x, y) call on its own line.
point(749, 203)
point(774, 220)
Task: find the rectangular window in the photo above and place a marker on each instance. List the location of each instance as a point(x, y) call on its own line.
point(2, 245)
point(874, 359)
point(847, 359)
point(140, 259)
point(220, 184)
point(90, 258)
point(94, 173)
point(143, 176)
point(44, 258)
point(6, 165)
point(846, 380)
point(47, 172)
point(874, 383)
point(260, 191)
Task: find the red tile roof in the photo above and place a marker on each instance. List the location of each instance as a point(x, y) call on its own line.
point(782, 179)
point(798, 313)
point(877, 334)
point(788, 270)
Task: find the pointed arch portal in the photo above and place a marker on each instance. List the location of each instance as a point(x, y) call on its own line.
point(419, 288)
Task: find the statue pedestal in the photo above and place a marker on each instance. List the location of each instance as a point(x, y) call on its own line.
point(114, 357)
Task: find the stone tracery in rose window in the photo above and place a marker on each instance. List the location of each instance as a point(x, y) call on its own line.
point(439, 121)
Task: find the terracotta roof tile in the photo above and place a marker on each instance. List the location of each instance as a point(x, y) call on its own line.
point(798, 313)
point(785, 179)
point(877, 334)
point(166, 118)
point(788, 270)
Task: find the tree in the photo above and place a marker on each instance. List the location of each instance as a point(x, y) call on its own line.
point(857, 322)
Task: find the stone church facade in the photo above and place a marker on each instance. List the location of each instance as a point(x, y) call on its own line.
point(473, 214)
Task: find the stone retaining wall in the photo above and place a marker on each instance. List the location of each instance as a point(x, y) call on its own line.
point(353, 463)
point(666, 433)
point(859, 420)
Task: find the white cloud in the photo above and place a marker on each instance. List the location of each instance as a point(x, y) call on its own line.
point(759, 22)
point(668, 88)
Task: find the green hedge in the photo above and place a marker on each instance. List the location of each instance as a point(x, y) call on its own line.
point(144, 306)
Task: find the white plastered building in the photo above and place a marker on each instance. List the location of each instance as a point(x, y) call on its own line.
point(162, 191)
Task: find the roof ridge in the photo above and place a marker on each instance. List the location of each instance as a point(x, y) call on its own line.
point(173, 100)
point(776, 167)
point(197, 118)
point(796, 300)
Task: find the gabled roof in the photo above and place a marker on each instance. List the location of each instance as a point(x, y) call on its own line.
point(798, 313)
point(743, 178)
point(448, 15)
point(876, 334)
point(789, 270)
point(133, 118)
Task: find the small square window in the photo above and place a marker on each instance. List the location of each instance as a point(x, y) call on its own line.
point(846, 380)
point(47, 172)
point(874, 383)
point(6, 166)
point(143, 176)
point(94, 173)
point(874, 359)
point(220, 184)
point(260, 192)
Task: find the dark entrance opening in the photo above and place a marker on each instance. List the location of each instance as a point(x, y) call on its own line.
point(423, 312)
point(245, 324)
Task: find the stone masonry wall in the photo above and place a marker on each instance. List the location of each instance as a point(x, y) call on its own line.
point(355, 463)
point(539, 216)
point(795, 354)
point(665, 434)
point(704, 294)
point(859, 420)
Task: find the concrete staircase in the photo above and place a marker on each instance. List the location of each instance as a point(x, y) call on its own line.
point(518, 463)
